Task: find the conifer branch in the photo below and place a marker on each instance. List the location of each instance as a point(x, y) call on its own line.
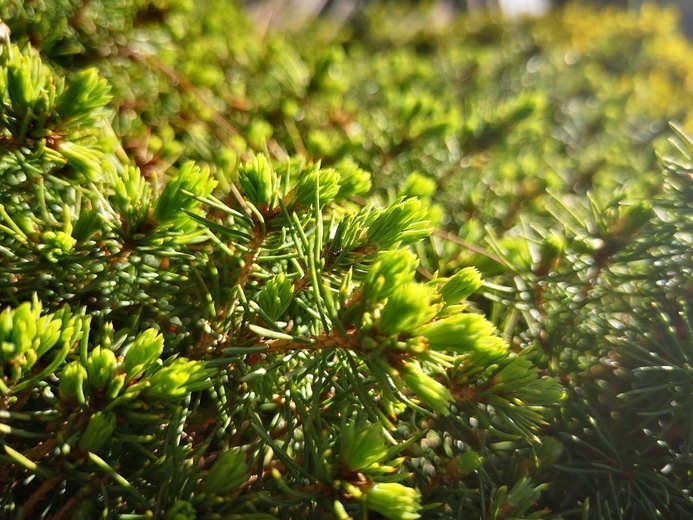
point(253, 316)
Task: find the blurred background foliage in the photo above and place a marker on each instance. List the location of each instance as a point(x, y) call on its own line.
point(543, 150)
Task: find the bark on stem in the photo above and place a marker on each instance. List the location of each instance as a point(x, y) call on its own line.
point(323, 341)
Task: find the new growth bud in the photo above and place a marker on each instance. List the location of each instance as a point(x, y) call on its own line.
point(17, 331)
point(404, 222)
point(178, 379)
point(394, 501)
point(430, 391)
point(275, 297)
point(463, 333)
point(146, 349)
point(461, 285)
point(56, 244)
point(25, 336)
point(406, 309)
point(82, 159)
point(363, 446)
point(98, 432)
point(391, 270)
point(227, 474)
point(316, 184)
point(101, 365)
point(352, 179)
point(72, 379)
point(258, 182)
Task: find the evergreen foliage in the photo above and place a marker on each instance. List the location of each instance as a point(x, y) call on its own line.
point(395, 268)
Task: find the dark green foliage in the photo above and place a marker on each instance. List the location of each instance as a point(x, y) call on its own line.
point(393, 268)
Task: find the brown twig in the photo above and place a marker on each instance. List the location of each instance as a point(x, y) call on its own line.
point(37, 496)
point(468, 245)
point(323, 341)
point(251, 257)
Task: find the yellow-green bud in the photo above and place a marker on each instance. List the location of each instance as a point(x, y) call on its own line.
point(325, 182)
point(115, 386)
point(6, 326)
point(146, 349)
point(56, 244)
point(405, 221)
point(101, 364)
point(276, 296)
point(227, 474)
point(23, 332)
point(82, 159)
point(72, 327)
point(462, 333)
point(25, 80)
point(406, 309)
point(178, 379)
point(363, 446)
point(418, 185)
point(258, 181)
point(71, 380)
point(394, 501)
point(98, 432)
point(180, 195)
point(391, 270)
point(461, 285)
point(49, 330)
point(430, 391)
point(25, 336)
point(86, 92)
point(352, 179)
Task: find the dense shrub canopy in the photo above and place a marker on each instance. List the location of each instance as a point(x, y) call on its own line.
point(399, 266)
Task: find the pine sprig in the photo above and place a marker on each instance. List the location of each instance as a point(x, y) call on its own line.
point(397, 270)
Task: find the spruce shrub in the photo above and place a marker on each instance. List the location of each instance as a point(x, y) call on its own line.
point(394, 268)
